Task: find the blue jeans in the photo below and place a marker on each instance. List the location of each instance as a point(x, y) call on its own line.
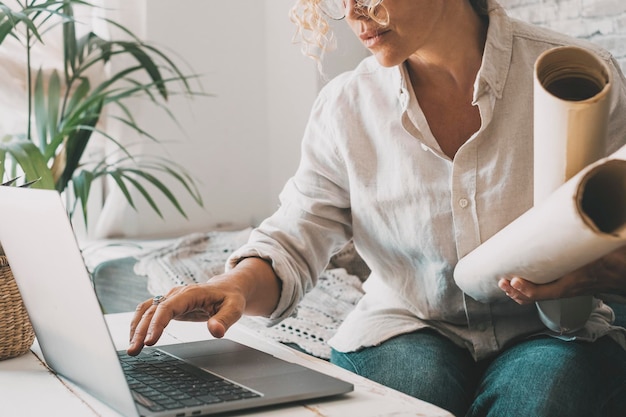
point(539, 377)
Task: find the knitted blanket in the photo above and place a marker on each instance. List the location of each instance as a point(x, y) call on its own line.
point(199, 256)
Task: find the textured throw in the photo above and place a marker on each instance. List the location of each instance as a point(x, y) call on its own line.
point(199, 256)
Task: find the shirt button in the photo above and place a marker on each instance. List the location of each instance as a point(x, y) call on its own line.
point(463, 203)
point(425, 147)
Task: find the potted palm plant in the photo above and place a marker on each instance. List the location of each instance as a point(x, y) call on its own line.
point(66, 108)
point(65, 111)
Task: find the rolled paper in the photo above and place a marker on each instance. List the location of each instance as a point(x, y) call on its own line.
point(571, 108)
point(578, 216)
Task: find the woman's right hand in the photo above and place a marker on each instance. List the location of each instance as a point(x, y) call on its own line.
point(251, 287)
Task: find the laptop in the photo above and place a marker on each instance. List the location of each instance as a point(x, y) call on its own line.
point(56, 288)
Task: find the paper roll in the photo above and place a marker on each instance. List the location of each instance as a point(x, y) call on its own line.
point(571, 109)
point(578, 216)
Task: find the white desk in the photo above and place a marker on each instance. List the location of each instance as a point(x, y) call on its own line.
point(28, 388)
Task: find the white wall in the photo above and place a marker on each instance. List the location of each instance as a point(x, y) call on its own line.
point(225, 140)
point(229, 143)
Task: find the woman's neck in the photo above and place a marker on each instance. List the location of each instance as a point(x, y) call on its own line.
point(455, 57)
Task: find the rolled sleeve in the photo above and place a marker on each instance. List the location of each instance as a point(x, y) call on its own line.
point(291, 289)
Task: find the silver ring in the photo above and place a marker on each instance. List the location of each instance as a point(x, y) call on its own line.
point(158, 299)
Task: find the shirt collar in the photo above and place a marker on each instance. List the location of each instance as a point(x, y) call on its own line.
point(497, 54)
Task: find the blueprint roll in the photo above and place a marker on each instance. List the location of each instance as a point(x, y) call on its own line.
point(566, 228)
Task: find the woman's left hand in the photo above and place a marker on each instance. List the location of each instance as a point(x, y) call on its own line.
point(606, 275)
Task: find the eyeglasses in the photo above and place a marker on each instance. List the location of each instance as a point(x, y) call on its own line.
point(336, 9)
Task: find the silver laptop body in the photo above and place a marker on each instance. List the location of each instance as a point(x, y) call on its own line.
point(56, 288)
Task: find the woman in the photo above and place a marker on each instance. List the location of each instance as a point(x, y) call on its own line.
point(419, 155)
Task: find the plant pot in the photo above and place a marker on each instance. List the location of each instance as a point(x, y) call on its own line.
point(16, 331)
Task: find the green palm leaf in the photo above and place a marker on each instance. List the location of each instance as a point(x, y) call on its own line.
point(30, 159)
point(10, 19)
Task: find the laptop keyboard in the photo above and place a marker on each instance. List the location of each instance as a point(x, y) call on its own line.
point(162, 382)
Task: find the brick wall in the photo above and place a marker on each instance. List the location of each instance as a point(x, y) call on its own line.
point(600, 21)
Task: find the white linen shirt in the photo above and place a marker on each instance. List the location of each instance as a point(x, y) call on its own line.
point(371, 170)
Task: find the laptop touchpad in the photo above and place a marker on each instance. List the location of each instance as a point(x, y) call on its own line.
point(231, 360)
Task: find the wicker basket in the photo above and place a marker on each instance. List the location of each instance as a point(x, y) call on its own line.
point(16, 332)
